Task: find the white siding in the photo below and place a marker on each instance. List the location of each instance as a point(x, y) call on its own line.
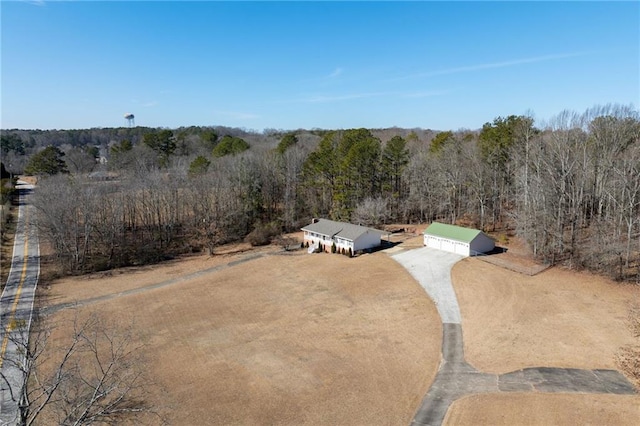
point(315, 240)
point(461, 248)
point(367, 240)
point(431, 241)
point(446, 244)
point(341, 243)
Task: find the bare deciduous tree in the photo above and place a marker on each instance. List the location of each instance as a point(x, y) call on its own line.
point(95, 375)
point(371, 212)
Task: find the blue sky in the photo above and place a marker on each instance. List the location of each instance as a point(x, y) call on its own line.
point(288, 65)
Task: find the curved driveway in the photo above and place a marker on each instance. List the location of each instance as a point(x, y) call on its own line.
point(432, 269)
point(16, 305)
point(455, 378)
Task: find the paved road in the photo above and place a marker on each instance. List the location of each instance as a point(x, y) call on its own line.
point(456, 378)
point(16, 307)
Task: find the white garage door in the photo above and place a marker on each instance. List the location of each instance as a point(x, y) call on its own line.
point(432, 242)
point(462, 248)
point(448, 245)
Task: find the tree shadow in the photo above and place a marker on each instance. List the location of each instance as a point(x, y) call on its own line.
point(384, 244)
point(496, 250)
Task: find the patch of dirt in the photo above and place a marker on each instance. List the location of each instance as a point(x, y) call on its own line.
point(628, 360)
point(506, 409)
point(628, 357)
point(31, 180)
point(296, 339)
point(558, 318)
point(514, 262)
point(400, 236)
point(517, 256)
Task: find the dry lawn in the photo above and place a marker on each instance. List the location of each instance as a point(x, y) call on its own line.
point(285, 339)
point(79, 288)
point(323, 339)
point(526, 409)
point(558, 318)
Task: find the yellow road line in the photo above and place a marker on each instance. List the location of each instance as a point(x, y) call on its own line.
point(14, 307)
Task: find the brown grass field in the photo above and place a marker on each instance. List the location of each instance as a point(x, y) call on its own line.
point(324, 339)
point(525, 409)
point(558, 318)
point(285, 339)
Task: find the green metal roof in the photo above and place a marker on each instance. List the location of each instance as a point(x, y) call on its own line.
point(453, 232)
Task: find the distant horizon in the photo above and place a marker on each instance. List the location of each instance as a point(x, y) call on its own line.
point(244, 129)
point(537, 123)
point(312, 65)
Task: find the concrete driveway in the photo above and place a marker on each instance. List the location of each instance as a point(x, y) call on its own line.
point(432, 269)
point(456, 378)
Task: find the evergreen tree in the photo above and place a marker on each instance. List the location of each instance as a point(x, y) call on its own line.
point(49, 161)
point(286, 142)
point(199, 166)
point(230, 145)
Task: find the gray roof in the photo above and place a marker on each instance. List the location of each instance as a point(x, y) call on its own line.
point(348, 231)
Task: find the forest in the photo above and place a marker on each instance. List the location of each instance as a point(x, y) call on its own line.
point(569, 186)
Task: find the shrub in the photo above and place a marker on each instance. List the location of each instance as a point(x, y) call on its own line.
point(262, 234)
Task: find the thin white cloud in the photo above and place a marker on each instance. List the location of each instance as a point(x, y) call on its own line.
point(35, 2)
point(150, 104)
point(336, 73)
point(426, 94)
point(346, 97)
point(333, 75)
point(352, 96)
point(492, 65)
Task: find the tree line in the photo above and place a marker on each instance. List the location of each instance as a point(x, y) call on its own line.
point(570, 187)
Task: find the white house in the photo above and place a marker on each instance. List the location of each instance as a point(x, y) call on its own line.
point(324, 233)
point(456, 239)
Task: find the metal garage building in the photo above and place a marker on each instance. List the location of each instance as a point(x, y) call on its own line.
point(456, 239)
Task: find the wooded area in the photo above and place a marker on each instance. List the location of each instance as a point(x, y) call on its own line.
point(570, 187)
